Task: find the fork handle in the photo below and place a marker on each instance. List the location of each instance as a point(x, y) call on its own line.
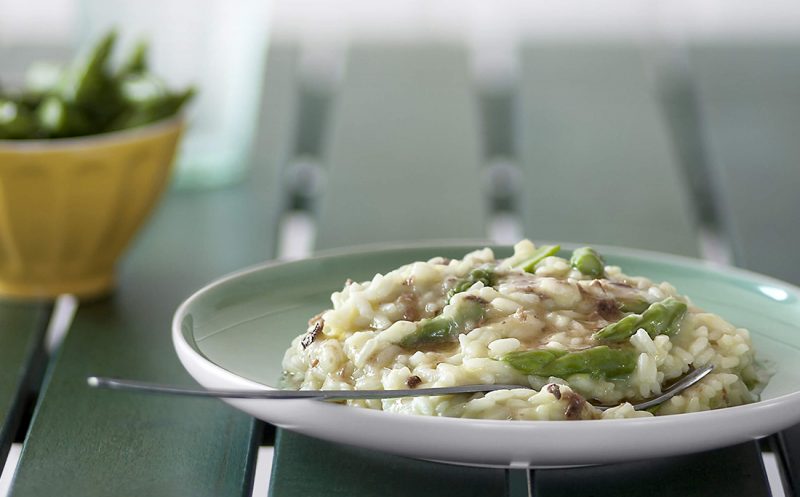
point(140, 386)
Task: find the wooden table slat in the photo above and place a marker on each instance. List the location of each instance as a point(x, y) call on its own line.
point(99, 443)
point(22, 360)
point(787, 444)
point(403, 150)
point(734, 471)
point(596, 157)
point(749, 99)
point(309, 467)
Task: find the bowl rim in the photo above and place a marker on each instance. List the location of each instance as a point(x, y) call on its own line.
point(99, 139)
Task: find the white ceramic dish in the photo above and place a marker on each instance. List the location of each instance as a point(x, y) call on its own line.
point(233, 333)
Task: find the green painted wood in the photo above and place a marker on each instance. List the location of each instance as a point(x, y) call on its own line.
point(787, 445)
point(22, 359)
point(736, 471)
point(596, 158)
point(98, 443)
point(279, 120)
point(679, 105)
point(403, 151)
point(307, 467)
point(749, 99)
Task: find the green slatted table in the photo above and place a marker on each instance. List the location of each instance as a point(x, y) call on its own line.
point(403, 161)
point(705, 474)
point(90, 443)
point(589, 127)
point(750, 106)
point(148, 444)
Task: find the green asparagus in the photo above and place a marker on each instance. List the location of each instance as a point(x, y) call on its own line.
point(638, 306)
point(596, 361)
point(529, 264)
point(484, 275)
point(530, 361)
point(443, 329)
point(588, 262)
point(661, 318)
point(664, 318)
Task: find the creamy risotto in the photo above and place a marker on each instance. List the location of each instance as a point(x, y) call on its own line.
point(572, 329)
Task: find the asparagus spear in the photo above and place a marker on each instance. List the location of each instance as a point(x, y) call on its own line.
point(484, 275)
point(443, 329)
point(588, 262)
point(664, 318)
point(596, 361)
point(638, 306)
point(619, 331)
point(661, 318)
point(529, 264)
point(530, 361)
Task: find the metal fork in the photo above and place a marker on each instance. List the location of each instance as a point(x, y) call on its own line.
point(117, 384)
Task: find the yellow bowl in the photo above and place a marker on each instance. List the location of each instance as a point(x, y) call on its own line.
point(69, 207)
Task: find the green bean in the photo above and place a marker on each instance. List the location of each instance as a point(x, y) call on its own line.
point(151, 110)
point(484, 275)
point(57, 118)
point(588, 262)
point(15, 121)
point(88, 97)
point(600, 361)
point(661, 318)
point(136, 63)
point(90, 78)
point(444, 329)
point(529, 264)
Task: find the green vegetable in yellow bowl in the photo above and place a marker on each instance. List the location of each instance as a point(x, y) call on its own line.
point(88, 97)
